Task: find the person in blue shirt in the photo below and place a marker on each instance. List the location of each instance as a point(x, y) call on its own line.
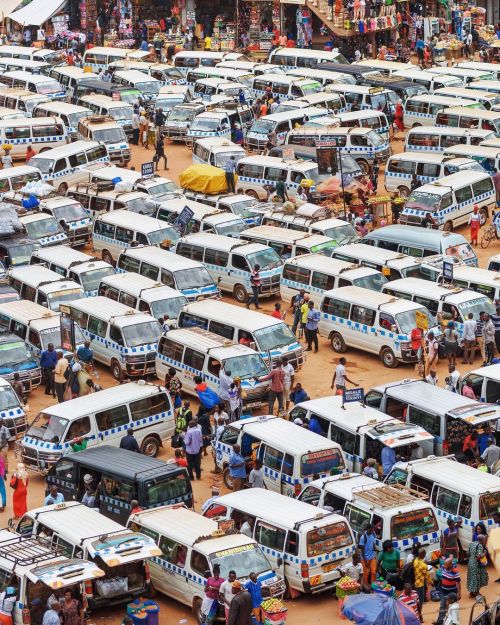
point(388, 458)
point(254, 587)
point(367, 545)
point(85, 354)
point(53, 497)
point(48, 362)
point(315, 427)
point(482, 439)
point(237, 469)
point(313, 317)
point(298, 394)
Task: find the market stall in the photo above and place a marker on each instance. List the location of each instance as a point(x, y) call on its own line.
point(256, 22)
point(378, 609)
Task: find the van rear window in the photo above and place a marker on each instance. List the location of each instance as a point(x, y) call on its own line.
point(413, 523)
point(167, 490)
point(327, 539)
point(324, 461)
point(489, 503)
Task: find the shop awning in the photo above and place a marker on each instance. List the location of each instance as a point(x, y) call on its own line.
point(7, 6)
point(37, 12)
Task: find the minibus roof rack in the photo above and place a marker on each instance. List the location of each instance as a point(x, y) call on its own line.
point(25, 551)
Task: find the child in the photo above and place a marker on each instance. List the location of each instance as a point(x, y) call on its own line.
point(179, 458)
point(410, 598)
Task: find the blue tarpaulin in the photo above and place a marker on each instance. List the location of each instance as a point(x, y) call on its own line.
point(375, 609)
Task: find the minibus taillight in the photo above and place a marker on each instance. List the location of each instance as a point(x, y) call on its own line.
point(304, 570)
point(26, 616)
point(147, 573)
point(89, 591)
point(298, 488)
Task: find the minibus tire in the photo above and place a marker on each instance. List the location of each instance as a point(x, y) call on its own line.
point(107, 258)
point(448, 226)
point(252, 193)
point(116, 370)
point(483, 215)
point(417, 125)
point(197, 609)
point(150, 444)
point(403, 191)
point(62, 188)
point(392, 362)
point(228, 480)
point(337, 343)
point(240, 293)
point(363, 165)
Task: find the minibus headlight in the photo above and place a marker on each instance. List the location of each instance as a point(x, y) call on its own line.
point(406, 345)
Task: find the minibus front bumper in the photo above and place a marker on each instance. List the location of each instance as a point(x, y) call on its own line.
point(16, 424)
point(36, 459)
point(270, 285)
point(383, 155)
point(408, 354)
point(79, 236)
point(119, 157)
point(31, 378)
point(254, 144)
point(140, 365)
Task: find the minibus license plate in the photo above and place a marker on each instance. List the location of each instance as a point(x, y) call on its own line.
point(329, 567)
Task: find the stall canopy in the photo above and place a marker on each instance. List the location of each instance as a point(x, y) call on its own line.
point(37, 12)
point(6, 6)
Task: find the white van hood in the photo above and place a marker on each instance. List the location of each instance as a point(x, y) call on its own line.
point(116, 549)
point(65, 572)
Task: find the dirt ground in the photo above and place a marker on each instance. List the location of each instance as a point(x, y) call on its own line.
point(366, 370)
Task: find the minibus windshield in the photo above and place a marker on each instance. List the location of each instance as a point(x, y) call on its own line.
point(341, 234)
point(243, 208)
point(169, 101)
point(267, 259)
point(375, 282)
point(328, 538)
point(374, 138)
point(110, 135)
point(247, 366)
point(424, 201)
point(44, 164)
point(263, 126)
point(149, 87)
point(273, 336)
point(206, 123)
point(74, 118)
point(91, 279)
point(165, 234)
point(141, 333)
point(141, 206)
point(475, 306)
point(14, 353)
point(46, 88)
point(53, 335)
point(413, 523)
point(163, 188)
point(379, 101)
point(51, 430)
point(21, 254)
point(310, 87)
point(407, 320)
point(222, 159)
point(231, 228)
point(170, 306)
point(124, 112)
point(245, 559)
point(67, 295)
point(43, 228)
point(489, 504)
point(181, 114)
point(130, 97)
point(8, 398)
point(167, 490)
point(192, 278)
point(70, 212)
point(324, 461)
point(420, 271)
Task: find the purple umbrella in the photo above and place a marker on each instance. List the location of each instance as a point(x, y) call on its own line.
point(377, 609)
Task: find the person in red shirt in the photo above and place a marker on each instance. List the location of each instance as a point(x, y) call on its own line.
point(134, 507)
point(410, 598)
point(179, 458)
point(277, 312)
point(470, 446)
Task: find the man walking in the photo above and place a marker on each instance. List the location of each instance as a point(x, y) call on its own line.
point(496, 323)
point(295, 304)
point(367, 545)
point(277, 386)
point(489, 339)
point(237, 469)
point(193, 442)
point(135, 126)
point(4, 444)
point(129, 442)
point(340, 376)
point(48, 362)
point(230, 169)
point(60, 376)
point(255, 284)
point(491, 455)
point(469, 340)
point(313, 317)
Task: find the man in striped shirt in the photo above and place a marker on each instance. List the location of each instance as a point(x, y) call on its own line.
point(410, 598)
point(450, 583)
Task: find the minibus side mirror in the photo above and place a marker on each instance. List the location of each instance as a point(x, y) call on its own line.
point(394, 328)
point(219, 279)
point(280, 561)
point(252, 345)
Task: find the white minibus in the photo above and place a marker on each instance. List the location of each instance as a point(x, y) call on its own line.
point(44, 229)
point(70, 114)
point(290, 243)
point(187, 59)
point(188, 276)
point(483, 155)
point(365, 98)
point(41, 133)
point(287, 530)
point(216, 151)
point(333, 103)
point(120, 111)
point(100, 57)
point(323, 77)
point(205, 88)
point(429, 80)
point(290, 454)
point(15, 178)
point(275, 127)
point(299, 57)
point(69, 164)
point(437, 139)
point(54, 57)
point(466, 117)
point(283, 86)
point(465, 75)
point(147, 85)
point(42, 85)
point(485, 98)
point(376, 323)
point(421, 110)
point(144, 294)
point(309, 218)
point(20, 99)
point(74, 265)
point(122, 338)
point(43, 286)
point(268, 336)
point(224, 74)
point(482, 67)
point(69, 77)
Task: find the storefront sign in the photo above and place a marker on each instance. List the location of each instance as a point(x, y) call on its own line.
point(148, 169)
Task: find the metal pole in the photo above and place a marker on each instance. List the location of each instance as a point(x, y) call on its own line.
point(342, 179)
point(237, 24)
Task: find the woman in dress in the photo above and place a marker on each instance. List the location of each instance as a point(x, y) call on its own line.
point(3, 494)
point(19, 482)
point(398, 117)
point(210, 600)
point(451, 342)
point(72, 610)
point(477, 575)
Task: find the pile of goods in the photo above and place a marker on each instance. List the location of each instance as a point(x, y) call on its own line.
point(273, 612)
point(382, 587)
point(346, 586)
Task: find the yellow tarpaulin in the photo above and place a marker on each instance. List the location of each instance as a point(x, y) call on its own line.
point(204, 179)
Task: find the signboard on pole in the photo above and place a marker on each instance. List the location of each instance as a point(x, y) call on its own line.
point(183, 219)
point(68, 341)
point(447, 271)
point(353, 394)
point(148, 169)
point(421, 320)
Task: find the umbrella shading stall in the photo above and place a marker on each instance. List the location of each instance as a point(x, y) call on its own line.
point(375, 609)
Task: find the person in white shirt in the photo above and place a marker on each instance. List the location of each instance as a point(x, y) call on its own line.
point(357, 56)
point(289, 375)
point(469, 340)
point(355, 569)
point(432, 378)
point(256, 477)
point(340, 376)
point(7, 160)
point(416, 452)
point(246, 528)
point(453, 380)
point(51, 617)
point(226, 592)
point(453, 612)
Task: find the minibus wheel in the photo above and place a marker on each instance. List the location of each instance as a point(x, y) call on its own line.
point(116, 370)
point(197, 609)
point(240, 293)
point(448, 226)
point(338, 343)
point(253, 194)
point(388, 358)
point(363, 165)
point(403, 191)
point(62, 188)
point(150, 446)
point(483, 216)
point(107, 258)
point(228, 480)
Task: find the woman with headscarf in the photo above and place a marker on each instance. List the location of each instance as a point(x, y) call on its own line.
point(19, 482)
point(477, 575)
point(398, 117)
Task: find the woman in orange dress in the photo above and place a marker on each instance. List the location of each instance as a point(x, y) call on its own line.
point(19, 482)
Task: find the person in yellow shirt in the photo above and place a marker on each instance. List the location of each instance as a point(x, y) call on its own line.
point(208, 42)
point(304, 311)
point(422, 577)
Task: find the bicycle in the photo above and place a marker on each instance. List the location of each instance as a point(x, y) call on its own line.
point(489, 234)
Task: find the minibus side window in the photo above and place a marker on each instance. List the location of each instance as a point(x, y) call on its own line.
point(292, 543)
point(193, 321)
point(288, 465)
point(19, 329)
point(34, 339)
point(128, 300)
point(336, 307)
point(149, 271)
point(194, 359)
point(60, 165)
point(311, 495)
point(124, 235)
point(270, 536)
point(48, 131)
point(167, 278)
point(117, 488)
point(216, 257)
point(222, 329)
point(171, 349)
point(465, 507)
point(492, 391)
point(430, 422)
point(361, 314)
point(112, 418)
point(199, 563)
point(297, 274)
point(97, 326)
point(19, 132)
point(62, 547)
point(358, 519)
point(447, 141)
point(446, 500)
point(322, 281)
point(482, 186)
point(79, 317)
point(80, 427)
point(239, 262)
point(28, 292)
point(420, 484)
point(430, 304)
point(347, 440)
point(272, 458)
point(464, 194)
point(173, 552)
point(104, 229)
point(398, 166)
point(428, 169)
point(77, 159)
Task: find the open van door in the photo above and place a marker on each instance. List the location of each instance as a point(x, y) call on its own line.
point(65, 572)
point(121, 548)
